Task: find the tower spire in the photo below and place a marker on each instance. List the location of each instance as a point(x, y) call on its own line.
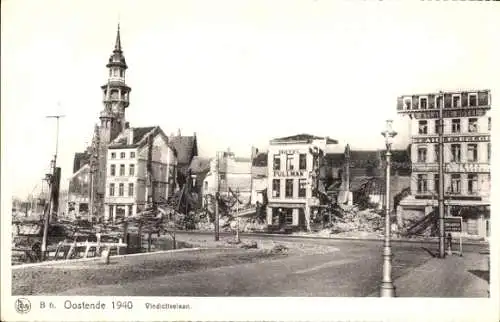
point(118, 43)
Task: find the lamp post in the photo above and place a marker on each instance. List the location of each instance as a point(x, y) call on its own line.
point(387, 288)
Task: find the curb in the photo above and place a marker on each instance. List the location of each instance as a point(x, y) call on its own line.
point(395, 240)
point(79, 260)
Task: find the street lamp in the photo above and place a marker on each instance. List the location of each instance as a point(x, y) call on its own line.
point(387, 288)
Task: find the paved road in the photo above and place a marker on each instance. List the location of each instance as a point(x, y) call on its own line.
point(430, 245)
point(350, 268)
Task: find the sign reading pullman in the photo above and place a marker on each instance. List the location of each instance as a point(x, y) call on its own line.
point(290, 173)
point(451, 139)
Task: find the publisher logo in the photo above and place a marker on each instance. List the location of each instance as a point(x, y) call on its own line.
point(23, 305)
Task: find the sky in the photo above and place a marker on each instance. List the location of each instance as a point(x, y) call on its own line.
point(238, 73)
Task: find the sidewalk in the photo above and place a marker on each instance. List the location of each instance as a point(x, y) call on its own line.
point(453, 276)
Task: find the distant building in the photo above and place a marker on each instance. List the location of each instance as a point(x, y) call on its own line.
point(259, 177)
point(141, 168)
point(187, 149)
point(467, 151)
point(234, 175)
point(293, 179)
point(199, 169)
point(366, 174)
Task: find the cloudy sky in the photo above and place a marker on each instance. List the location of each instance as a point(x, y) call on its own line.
point(237, 73)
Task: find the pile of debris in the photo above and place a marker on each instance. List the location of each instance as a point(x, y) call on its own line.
point(351, 218)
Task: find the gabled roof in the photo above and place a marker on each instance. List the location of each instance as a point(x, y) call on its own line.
point(186, 147)
point(140, 133)
point(303, 137)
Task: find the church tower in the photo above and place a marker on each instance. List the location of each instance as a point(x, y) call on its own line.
point(112, 117)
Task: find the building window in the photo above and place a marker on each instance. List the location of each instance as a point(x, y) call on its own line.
point(455, 153)
point(113, 155)
point(455, 126)
point(423, 103)
point(473, 125)
point(421, 183)
point(276, 162)
point(436, 152)
point(132, 155)
point(456, 101)
point(122, 169)
point(302, 187)
point(489, 123)
point(120, 189)
point(436, 183)
point(302, 161)
point(489, 152)
point(289, 188)
point(111, 189)
point(131, 170)
point(112, 170)
point(122, 155)
point(422, 154)
point(436, 126)
point(455, 184)
point(130, 210)
point(130, 189)
point(422, 127)
point(472, 184)
point(289, 161)
point(472, 100)
point(276, 188)
point(472, 152)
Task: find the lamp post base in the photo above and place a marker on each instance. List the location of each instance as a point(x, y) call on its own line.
point(387, 289)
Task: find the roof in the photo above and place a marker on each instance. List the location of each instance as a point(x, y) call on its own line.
point(334, 159)
point(81, 158)
point(199, 165)
point(303, 137)
point(260, 160)
point(186, 147)
point(139, 134)
point(357, 183)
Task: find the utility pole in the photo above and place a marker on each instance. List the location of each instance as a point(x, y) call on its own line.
point(441, 178)
point(52, 181)
point(216, 228)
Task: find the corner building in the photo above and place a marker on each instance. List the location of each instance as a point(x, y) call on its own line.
point(293, 178)
point(467, 150)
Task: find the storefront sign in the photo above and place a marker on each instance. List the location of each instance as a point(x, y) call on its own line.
point(467, 167)
point(452, 139)
point(452, 224)
point(434, 114)
point(288, 151)
point(290, 173)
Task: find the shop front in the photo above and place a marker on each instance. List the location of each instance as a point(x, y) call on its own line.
point(290, 216)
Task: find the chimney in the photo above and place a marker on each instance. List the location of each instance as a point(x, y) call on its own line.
point(130, 135)
point(178, 132)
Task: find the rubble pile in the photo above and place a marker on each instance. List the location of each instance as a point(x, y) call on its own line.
point(350, 218)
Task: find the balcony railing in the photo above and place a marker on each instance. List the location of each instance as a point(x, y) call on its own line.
point(452, 167)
